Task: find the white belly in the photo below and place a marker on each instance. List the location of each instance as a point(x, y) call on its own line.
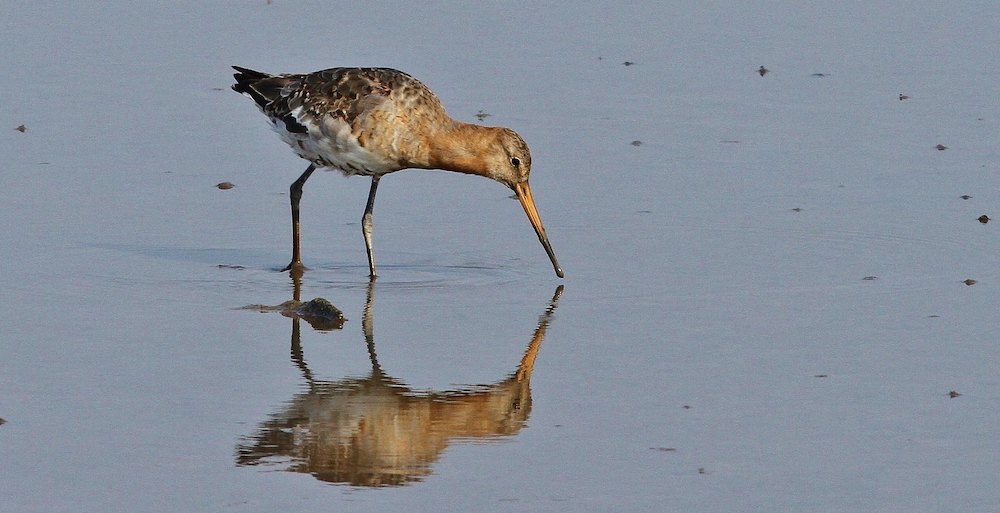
point(331, 144)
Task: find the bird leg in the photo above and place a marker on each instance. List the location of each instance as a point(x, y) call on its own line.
point(295, 194)
point(366, 227)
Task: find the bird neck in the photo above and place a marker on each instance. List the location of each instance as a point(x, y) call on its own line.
point(463, 147)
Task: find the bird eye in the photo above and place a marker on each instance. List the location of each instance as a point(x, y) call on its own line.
point(514, 161)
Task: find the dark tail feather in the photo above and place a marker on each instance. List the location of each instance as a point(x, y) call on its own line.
point(245, 81)
point(269, 92)
point(247, 75)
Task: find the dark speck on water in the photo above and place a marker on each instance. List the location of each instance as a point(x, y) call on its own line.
point(482, 115)
point(941, 147)
point(970, 282)
point(903, 97)
point(819, 75)
point(763, 71)
point(628, 63)
point(965, 196)
point(636, 143)
point(984, 219)
point(225, 185)
point(953, 394)
point(21, 128)
point(870, 278)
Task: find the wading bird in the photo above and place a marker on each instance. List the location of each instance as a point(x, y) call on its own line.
point(374, 121)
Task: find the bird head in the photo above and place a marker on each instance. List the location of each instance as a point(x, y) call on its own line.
point(511, 165)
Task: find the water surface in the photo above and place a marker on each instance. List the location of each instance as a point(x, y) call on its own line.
point(765, 305)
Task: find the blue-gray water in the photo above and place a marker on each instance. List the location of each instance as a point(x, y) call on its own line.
point(763, 310)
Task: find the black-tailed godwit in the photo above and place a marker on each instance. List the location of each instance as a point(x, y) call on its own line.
point(374, 121)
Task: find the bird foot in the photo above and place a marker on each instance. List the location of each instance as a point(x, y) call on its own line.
point(296, 268)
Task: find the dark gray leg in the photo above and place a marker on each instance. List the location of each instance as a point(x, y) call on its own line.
point(366, 227)
point(295, 194)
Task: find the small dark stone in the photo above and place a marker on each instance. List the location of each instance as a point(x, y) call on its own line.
point(319, 307)
point(225, 185)
point(321, 314)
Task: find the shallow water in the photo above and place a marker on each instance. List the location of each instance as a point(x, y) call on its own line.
point(764, 306)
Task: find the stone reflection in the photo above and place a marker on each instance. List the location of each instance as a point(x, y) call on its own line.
point(374, 430)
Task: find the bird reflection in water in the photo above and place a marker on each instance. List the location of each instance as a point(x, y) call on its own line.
point(374, 430)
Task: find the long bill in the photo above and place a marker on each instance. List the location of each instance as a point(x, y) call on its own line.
point(524, 195)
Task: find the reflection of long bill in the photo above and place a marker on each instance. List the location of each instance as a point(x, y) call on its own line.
point(524, 195)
